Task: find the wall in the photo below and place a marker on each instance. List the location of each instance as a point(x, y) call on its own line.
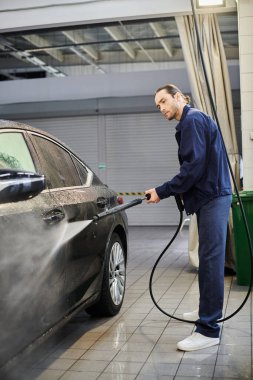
point(245, 20)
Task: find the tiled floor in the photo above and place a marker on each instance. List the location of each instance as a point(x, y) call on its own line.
point(140, 342)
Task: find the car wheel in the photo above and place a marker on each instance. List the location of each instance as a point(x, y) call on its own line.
point(114, 280)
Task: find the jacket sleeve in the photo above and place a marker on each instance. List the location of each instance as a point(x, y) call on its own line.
point(193, 152)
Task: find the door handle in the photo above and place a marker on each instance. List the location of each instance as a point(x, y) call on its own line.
point(101, 202)
point(54, 216)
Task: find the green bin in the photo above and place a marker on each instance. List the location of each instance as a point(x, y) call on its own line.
point(242, 252)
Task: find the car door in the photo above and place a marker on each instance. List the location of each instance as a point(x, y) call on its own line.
point(31, 276)
point(70, 183)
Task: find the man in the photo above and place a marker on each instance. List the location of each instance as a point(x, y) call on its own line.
point(204, 184)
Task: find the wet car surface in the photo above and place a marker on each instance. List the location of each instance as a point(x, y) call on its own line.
point(54, 258)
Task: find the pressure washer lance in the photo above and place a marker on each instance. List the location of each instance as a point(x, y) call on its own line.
point(116, 209)
point(135, 202)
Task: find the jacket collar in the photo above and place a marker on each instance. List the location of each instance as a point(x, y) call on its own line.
point(184, 113)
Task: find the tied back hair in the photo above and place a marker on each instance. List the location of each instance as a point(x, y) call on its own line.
point(172, 90)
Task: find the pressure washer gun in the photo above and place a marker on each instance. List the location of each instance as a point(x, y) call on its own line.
point(135, 202)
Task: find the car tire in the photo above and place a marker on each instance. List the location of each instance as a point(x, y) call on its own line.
point(114, 281)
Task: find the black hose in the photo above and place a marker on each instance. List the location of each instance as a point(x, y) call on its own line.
point(156, 263)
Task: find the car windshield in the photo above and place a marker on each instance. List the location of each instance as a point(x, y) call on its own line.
point(14, 153)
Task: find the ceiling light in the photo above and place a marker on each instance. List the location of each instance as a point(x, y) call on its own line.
point(210, 3)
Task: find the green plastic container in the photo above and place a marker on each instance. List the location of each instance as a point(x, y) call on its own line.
point(242, 252)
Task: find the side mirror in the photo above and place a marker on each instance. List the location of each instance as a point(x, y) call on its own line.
point(18, 185)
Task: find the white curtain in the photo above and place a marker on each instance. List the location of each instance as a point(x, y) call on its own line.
point(218, 77)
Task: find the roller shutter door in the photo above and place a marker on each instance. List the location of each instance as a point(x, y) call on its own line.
point(141, 153)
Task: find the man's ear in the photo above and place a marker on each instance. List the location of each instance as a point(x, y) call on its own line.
point(177, 96)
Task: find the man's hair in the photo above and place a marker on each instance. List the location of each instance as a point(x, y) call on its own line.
point(172, 90)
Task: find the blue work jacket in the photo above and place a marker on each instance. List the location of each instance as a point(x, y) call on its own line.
point(204, 172)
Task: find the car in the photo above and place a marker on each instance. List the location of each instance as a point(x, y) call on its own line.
point(55, 257)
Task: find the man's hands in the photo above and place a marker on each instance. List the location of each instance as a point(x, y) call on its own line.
point(153, 196)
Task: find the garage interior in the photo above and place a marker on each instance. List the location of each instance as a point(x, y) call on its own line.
point(86, 72)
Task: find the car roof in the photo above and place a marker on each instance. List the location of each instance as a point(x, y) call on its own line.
point(9, 124)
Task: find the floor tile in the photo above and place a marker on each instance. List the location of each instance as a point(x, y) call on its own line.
point(51, 363)
point(196, 370)
point(67, 353)
point(73, 375)
point(123, 367)
point(139, 347)
point(164, 347)
point(192, 378)
point(117, 376)
point(199, 358)
point(131, 356)
point(154, 377)
point(165, 357)
point(233, 371)
point(238, 340)
point(235, 360)
point(101, 345)
point(165, 369)
point(89, 365)
point(99, 355)
point(141, 338)
point(49, 374)
point(81, 344)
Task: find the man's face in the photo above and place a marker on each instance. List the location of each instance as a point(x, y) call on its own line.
point(167, 104)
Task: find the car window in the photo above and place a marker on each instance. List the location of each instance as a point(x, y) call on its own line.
point(83, 172)
point(56, 164)
point(14, 152)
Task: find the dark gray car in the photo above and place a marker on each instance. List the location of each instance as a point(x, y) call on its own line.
point(53, 258)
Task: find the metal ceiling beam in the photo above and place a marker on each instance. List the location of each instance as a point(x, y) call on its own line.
point(116, 34)
point(78, 39)
point(22, 55)
point(39, 62)
point(40, 42)
point(159, 32)
point(137, 42)
point(109, 57)
point(87, 60)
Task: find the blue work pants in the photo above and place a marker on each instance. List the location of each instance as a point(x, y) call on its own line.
point(212, 221)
